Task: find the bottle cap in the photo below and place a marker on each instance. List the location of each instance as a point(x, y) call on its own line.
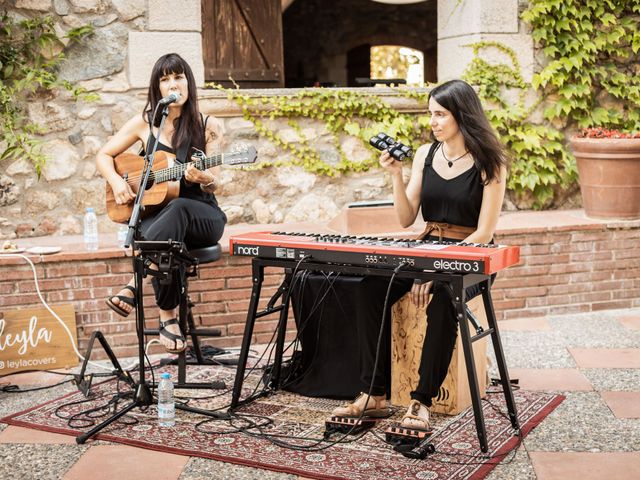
point(89, 209)
point(165, 375)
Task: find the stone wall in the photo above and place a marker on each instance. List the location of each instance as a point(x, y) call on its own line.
point(55, 204)
point(115, 63)
point(74, 131)
point(461, 23)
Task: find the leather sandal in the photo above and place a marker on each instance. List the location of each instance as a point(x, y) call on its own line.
point(172, 336)
point(353, 410)
point(124, 299)
point(414, 421)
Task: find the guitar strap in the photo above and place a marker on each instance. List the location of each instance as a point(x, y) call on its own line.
point(182, 152)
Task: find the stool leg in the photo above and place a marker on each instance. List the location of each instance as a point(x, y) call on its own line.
point(191, 328)
point(182, 320)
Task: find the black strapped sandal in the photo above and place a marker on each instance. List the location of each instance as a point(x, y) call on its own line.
point(172, 336)
point(124, 299)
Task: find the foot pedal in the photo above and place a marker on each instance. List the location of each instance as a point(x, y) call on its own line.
point(420, 451)
point(352, 426)
point(405, 439)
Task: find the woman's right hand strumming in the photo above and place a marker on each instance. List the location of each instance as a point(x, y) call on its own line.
point(122, 192)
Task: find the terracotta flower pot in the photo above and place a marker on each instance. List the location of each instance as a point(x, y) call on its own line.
point(609, 170)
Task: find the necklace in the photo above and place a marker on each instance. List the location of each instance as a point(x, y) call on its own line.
point(451, 162)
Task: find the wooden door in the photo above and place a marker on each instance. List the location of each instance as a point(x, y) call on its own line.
point(242, 39)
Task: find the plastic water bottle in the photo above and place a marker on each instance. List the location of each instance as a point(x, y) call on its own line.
point(166, 404)
point(90, 230)
point(123, 230)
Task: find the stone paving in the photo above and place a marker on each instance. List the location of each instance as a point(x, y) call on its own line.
point(593, 359)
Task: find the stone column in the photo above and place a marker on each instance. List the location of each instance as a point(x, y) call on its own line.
point(464, 22)
point(172, 27)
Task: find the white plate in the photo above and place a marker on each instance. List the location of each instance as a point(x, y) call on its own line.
point(17, 250)
point(43, 250)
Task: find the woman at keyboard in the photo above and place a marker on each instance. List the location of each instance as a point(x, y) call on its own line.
point(458, 182)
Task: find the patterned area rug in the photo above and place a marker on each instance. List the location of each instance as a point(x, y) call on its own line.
point(299, 421)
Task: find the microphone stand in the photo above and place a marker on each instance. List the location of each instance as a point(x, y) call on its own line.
point(142, 395)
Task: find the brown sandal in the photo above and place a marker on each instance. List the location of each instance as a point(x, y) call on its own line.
point(353, 410)
point(416, 422)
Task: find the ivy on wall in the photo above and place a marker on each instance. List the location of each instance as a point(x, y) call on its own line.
point(593, 73)
point(540, 167)
point(592, 78)
point(343, 112)
point(30, 51)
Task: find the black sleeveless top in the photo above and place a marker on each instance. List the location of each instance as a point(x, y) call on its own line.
point(456, 201)
point(187, 190)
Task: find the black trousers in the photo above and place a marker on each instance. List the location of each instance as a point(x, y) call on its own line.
point(437, 348)
point(198, 224)
point(338, 321)
point(439, 341)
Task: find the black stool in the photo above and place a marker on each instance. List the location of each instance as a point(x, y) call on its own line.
point(172, 258)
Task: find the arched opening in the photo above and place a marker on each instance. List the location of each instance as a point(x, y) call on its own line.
point(397, 62)
point(328, 42)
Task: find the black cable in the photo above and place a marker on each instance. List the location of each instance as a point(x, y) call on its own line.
point(502, 457)
point(16, 388)
point(87, 418)
point(54, 372)
point(304, 323)
point(11, 388)
point(343, 438)
point(269, 348)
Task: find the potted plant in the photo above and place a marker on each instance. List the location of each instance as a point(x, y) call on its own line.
point(609, 170)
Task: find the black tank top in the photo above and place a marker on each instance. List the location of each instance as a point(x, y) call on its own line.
point(456, 201)
point(188, 190)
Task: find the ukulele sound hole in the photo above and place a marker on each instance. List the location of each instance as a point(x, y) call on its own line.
point(151, 181)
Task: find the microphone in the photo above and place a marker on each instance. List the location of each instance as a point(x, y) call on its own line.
point(172, 97)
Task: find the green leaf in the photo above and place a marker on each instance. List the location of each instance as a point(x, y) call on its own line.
point(599, 116)
point(352, 128)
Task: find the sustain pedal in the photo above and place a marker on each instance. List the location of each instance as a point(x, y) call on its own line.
point(347, 425)
point(410, 442)
point(420, 451)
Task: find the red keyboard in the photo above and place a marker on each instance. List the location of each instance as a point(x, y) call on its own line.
point(380, 252)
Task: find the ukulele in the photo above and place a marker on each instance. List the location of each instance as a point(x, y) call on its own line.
point(164, 180)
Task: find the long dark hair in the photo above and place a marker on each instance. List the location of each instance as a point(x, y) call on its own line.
point(188, 126)
point(480, 139)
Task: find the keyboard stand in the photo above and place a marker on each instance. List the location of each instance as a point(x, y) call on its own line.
point(458, 283)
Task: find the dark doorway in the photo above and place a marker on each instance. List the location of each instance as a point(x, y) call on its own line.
point(327, 42)
point(358, 64)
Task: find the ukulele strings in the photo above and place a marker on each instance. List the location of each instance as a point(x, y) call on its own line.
point(177, 170)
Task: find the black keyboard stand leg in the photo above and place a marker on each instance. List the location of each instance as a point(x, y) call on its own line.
point(472, 375)
point(282, 330)
point(474, 321)
point(499, 353)
point(257, 276)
